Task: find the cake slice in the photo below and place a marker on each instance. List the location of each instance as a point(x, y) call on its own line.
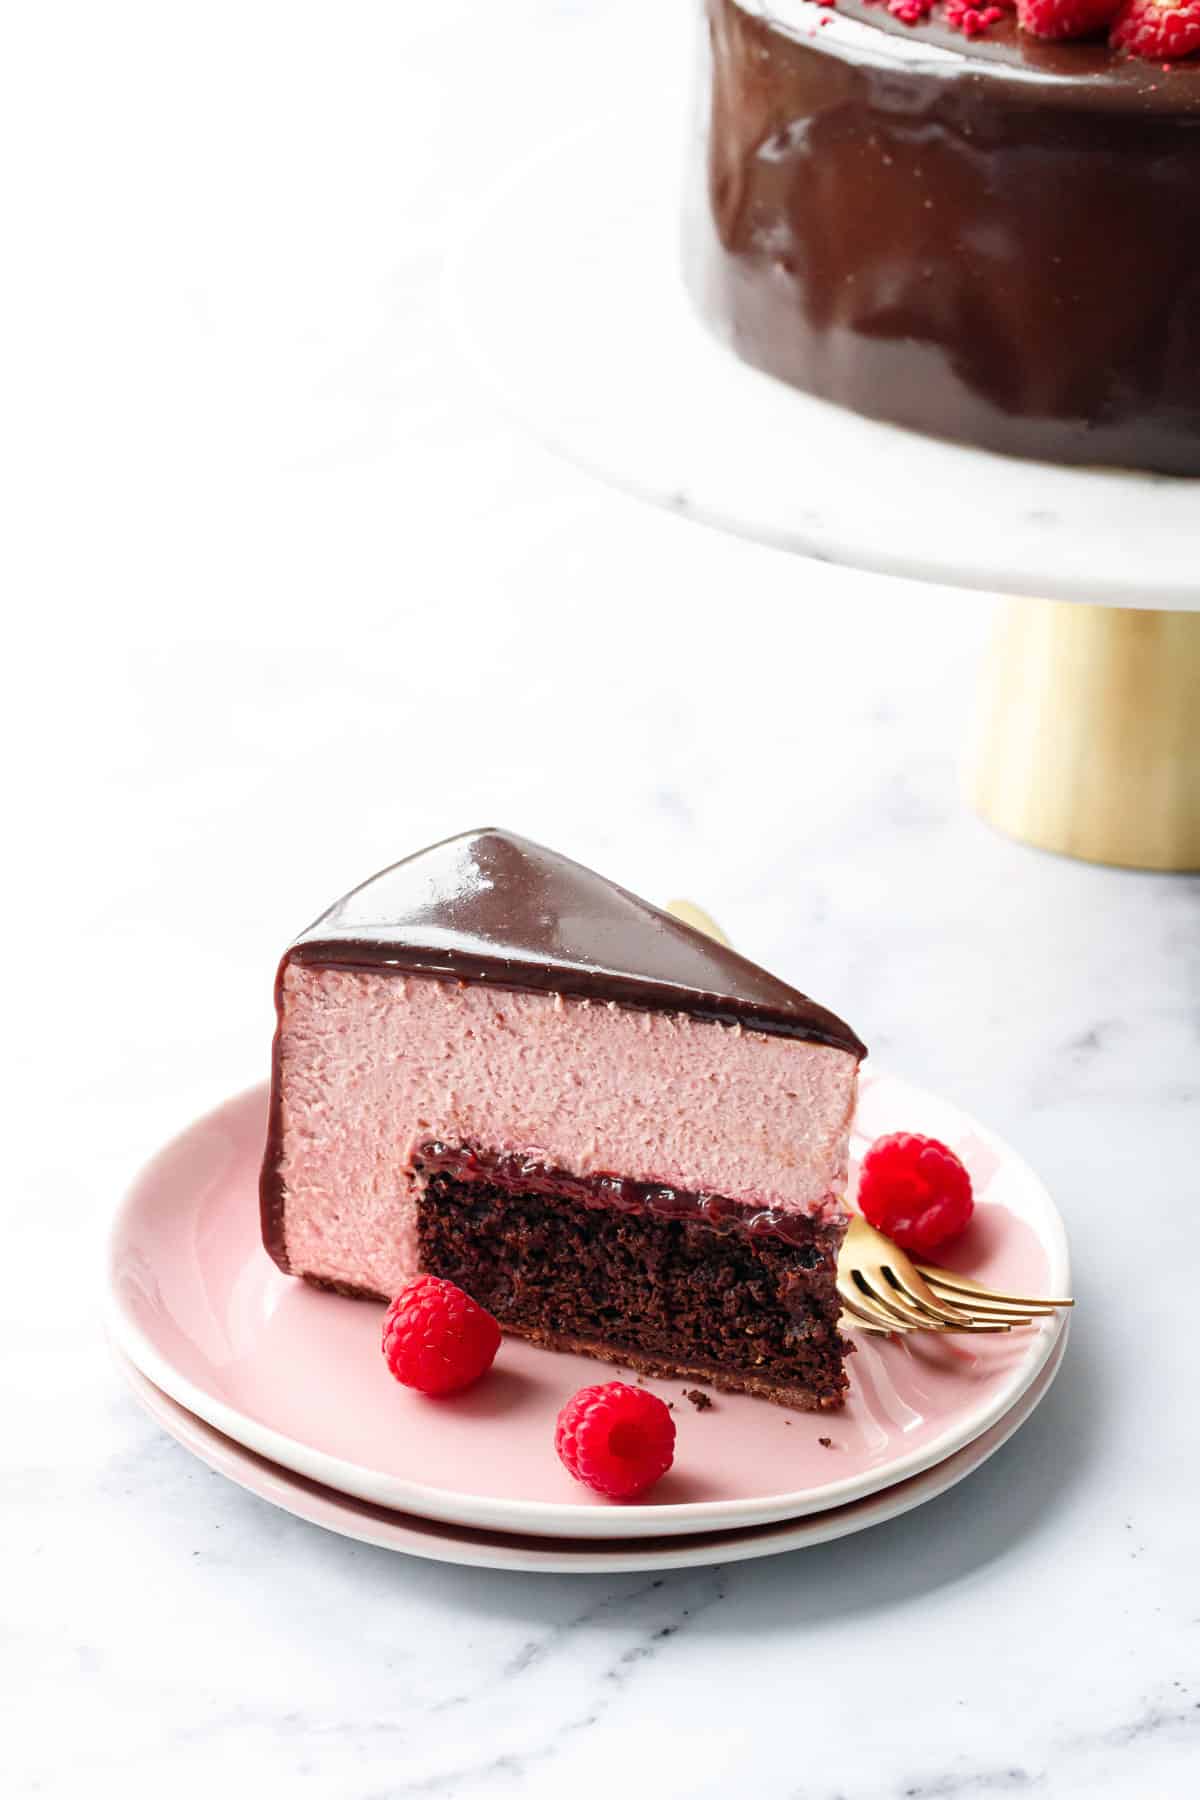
point(619, 1136)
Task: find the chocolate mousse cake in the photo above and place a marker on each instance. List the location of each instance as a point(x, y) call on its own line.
point(926, 212)
point(619, 1136)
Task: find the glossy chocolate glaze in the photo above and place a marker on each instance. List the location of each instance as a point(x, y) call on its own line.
point(513, 1173)
point(996, 241)
point(493, 907)
point(490, 906)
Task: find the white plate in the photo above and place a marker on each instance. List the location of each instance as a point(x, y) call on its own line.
point(297, 1376)
point(440, 1542)
point(584, 331)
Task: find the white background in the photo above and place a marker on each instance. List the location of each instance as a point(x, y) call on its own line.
point(286, 600)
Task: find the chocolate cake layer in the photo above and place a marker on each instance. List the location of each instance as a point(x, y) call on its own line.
point(739, 1307)
point(996, 241)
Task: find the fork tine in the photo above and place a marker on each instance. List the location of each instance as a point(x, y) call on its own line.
point(961, 1284)
point(886, 1321)
point(978, 1310)
point(897, 1304)
point(927, 1303)
point(975, 1326)
point(863, 1301)
point(904, 1276)
point(923, 1321)
point(857, 1320)
point(915, 1317)
point(866, 1304)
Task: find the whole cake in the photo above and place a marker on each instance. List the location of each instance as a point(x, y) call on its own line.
point(619, 1136)
point(928, 213)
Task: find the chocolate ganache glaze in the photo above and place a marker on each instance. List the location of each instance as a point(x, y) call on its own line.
point(490, 906)
point(995, 240)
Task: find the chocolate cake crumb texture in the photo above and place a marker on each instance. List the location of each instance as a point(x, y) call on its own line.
point(662, 1295)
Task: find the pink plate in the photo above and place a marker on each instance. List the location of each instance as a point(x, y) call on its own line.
point(440, 1542)
point(297, 1376)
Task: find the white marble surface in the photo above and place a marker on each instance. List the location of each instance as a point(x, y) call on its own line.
point(291, 601)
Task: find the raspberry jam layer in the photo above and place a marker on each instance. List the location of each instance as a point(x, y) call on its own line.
point(511, 1172)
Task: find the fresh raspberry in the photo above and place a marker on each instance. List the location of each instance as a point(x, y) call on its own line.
point(1159, 30)
point(974, 17)
point(436, 1338)
point(910, 12)
point(615, 1438)
point(1066, 18)
point(915, 1190)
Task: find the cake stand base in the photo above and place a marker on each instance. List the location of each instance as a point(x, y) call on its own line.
point(1089, 733)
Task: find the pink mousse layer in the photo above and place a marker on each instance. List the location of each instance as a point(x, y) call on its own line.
point(371, 1065)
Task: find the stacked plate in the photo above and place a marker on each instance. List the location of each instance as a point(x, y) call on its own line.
point(284, 1390)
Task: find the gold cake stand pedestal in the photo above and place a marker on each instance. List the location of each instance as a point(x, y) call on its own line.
point(1088, 737)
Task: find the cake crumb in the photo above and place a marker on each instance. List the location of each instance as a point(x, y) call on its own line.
point(825, 1443)
point(699, 1399)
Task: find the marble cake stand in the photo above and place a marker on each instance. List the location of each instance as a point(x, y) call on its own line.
point(567, 292)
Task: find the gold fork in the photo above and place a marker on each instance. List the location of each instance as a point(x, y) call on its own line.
point(882, 1289)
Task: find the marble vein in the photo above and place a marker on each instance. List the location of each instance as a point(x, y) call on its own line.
point(615, 1675)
